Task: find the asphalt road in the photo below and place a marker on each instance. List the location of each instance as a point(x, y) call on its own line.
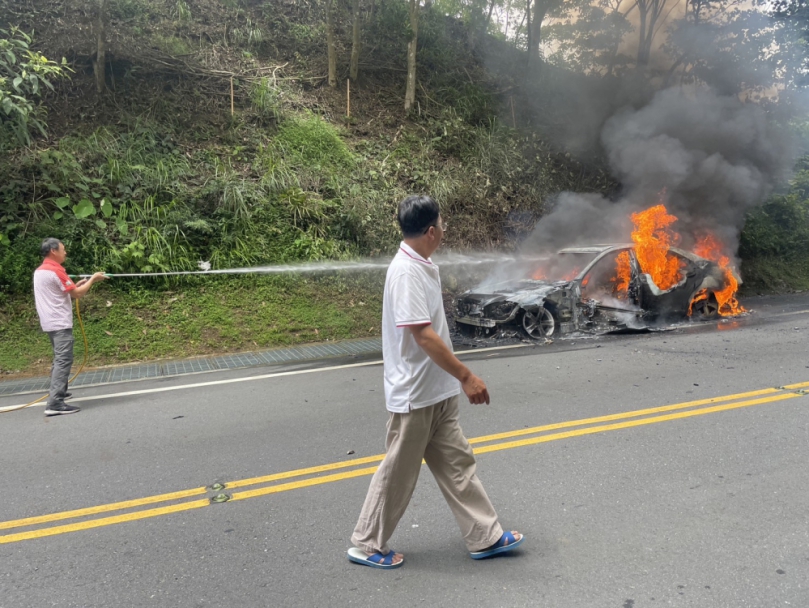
point(660, 469)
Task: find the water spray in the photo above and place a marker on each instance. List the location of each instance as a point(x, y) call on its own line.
point(446, 260)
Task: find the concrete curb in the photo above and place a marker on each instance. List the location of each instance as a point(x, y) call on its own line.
point(166, 369)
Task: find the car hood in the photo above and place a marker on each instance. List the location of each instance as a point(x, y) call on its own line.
point(524, 293)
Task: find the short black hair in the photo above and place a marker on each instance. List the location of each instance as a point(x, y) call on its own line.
point(49, 245)
point(416, 214)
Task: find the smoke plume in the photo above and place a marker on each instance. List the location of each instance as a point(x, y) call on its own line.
point(709, 157)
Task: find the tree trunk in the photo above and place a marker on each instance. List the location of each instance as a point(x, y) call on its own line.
point(332, 52)
point(649, 12)
point(410, 90)
point(540, 10)
point(485, 29)
point(355, 42)
point(100, 65)
point(529, 31)
point(642, 60)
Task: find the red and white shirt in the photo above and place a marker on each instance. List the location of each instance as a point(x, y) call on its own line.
point(413, 297)
point(52, 289)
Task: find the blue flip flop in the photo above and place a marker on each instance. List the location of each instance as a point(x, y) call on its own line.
point(377, 560)
point(499, 546)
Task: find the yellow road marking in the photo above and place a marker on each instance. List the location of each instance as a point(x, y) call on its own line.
point(104, 521)
point(304, 483)
point(115, 506)
point(299, 472)
point(377, 458)
point(631, 423)
point(620, 416)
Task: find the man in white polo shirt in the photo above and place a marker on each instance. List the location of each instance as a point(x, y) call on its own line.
point(54, 292)
point(423, 381)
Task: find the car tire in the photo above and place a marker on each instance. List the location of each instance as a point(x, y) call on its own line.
point(539, 323)
point(705, 310)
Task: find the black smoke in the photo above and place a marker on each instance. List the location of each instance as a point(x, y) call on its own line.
point(708, 157)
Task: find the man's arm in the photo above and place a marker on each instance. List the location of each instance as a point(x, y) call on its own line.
point(83, 286)
point(444, 358)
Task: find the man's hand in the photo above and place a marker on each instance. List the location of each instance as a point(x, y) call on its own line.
point(475, 389)
point(83, 286)
point(99, 276)
point(434, 346)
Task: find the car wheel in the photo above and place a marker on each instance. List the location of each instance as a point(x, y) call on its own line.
point(538, 323)
point(705, 310)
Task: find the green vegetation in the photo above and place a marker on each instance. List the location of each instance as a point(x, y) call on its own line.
point(25, 76)
point(775, 241)
point(205, 316)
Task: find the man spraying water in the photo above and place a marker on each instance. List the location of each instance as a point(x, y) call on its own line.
point(54, 292)
point(423, 379)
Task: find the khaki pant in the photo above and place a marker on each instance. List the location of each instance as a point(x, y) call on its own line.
point(431, 433)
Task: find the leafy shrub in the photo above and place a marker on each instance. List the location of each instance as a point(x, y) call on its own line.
point(24, 76)
point(778, 228)
point(17, 264)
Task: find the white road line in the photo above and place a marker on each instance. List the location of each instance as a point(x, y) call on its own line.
point(251, 378)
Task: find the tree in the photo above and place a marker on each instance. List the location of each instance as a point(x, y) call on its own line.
point(727, 45)
point(649, 16)
point(589, 39)
point(355, 40)
point(330, 45)
point(410, 89)
point(543, 9)
point(100, 61)
point(792, 19)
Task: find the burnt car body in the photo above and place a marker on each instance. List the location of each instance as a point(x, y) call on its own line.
point(587, 299)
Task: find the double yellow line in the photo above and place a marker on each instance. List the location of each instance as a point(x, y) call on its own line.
point(43, 525)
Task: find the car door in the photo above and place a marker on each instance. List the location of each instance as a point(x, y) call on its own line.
point(673, 302)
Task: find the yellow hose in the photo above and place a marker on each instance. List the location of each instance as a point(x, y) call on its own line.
point(78, 371)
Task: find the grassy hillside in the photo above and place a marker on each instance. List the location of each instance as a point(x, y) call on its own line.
point(160, 173)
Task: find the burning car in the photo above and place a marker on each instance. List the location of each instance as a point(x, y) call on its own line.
point(599, 288)
point(607, 287)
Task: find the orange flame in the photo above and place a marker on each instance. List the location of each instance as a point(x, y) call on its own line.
point(702, 294)
point(710, 248)
point(653, 237)
point(623, 273)
point(541, 274)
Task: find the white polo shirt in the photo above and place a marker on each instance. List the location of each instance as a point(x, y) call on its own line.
point(413, 297)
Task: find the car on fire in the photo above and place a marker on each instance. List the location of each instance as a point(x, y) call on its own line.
point(579, 290)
